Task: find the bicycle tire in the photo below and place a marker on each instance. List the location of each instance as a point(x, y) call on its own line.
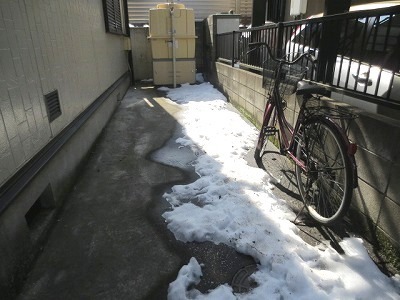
point(326, 188)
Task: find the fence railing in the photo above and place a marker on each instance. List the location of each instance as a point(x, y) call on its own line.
point(358, 53)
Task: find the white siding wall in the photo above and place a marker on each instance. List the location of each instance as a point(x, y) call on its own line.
point(47, 45)
point(139, 10)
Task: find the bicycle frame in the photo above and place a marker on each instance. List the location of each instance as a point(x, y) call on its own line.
point(274, 109)
point(288, 141)
point(324, 181)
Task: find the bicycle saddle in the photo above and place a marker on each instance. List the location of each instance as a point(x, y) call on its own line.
point(304, 87)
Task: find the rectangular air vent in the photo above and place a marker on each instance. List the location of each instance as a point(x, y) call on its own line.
point(53, 105)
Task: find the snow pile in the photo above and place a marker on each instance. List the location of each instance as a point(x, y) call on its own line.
point(232, 203)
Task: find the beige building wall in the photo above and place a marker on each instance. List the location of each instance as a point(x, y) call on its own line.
point(47, 45)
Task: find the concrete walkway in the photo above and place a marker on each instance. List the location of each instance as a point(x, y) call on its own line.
point(110, 241)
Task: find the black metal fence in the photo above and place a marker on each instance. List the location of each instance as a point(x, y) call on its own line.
point(358, 53)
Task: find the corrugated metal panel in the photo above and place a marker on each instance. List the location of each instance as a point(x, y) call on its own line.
point(139, 10)
point(246, 7)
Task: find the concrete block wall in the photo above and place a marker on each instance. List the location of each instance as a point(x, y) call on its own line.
point(48, 45)
point(377, 199)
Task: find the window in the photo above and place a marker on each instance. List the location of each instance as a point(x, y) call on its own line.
point(114, 16)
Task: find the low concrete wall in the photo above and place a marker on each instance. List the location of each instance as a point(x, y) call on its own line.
point(377, 199)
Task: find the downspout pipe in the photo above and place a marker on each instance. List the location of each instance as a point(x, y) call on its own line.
point(171, 10)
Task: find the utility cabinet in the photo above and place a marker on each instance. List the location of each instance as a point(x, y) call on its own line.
point(172, 38)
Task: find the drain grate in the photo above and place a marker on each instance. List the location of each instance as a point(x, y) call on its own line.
point(242, 282)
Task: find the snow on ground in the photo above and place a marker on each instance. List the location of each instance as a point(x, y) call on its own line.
point(232, 203)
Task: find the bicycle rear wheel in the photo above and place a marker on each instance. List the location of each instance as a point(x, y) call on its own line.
point(325, 184)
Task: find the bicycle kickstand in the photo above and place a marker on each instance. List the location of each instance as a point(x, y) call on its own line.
point(295, 222)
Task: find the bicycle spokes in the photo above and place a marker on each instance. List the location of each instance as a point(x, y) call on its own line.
point(324, 180)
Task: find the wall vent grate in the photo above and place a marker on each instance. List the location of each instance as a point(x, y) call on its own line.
point(52, 101)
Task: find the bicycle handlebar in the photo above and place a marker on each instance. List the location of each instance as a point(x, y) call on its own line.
point(288, 62)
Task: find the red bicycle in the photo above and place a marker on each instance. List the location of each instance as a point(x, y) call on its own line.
point(323, 156)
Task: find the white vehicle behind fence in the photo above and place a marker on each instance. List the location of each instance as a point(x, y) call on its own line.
point(368, 59)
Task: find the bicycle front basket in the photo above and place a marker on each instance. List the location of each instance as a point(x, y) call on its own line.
point(289, 76)
point(270, 67)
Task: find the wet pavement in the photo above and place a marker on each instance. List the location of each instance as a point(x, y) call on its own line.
point(110, 240)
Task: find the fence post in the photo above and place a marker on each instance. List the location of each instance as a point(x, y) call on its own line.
point(330, 37)
point(233, 48)
point(214, 45)
point(328, 48)
point(279, 43)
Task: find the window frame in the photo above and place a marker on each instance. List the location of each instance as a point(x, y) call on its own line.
point(116, 17)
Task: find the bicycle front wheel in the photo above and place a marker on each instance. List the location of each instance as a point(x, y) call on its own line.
point(325, 180)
